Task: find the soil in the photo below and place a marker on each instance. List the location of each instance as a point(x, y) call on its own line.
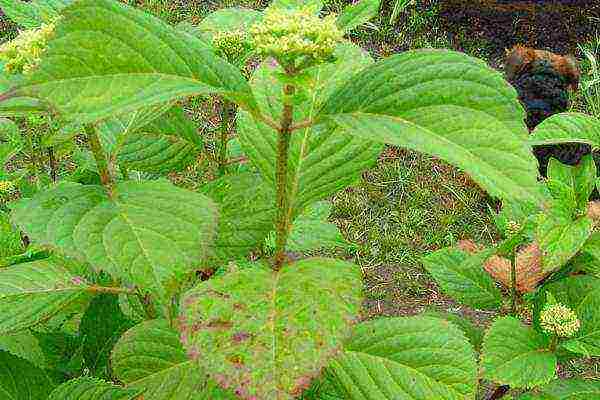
point(557, 26)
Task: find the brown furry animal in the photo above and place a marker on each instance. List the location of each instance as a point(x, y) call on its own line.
point(519, 59)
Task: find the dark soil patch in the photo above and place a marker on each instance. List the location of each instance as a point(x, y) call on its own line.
point(557, 26)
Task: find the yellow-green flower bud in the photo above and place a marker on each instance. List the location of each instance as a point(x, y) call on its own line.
point(513, 227)
point(6, 187)
point(232, 45)
point(559, 320)
point(23, 53)
point(288, 35)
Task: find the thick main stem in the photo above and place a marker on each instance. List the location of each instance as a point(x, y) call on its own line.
point(100, 157)
point(513, 283)
point(224, 136)
point(499, 392)
point(283, 146)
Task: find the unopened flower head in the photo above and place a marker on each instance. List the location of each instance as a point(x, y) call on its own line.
point(23, 53)
point(288, 35)
point(513, 227)
point(6, 187)
point(559, 320)
point(232, 45)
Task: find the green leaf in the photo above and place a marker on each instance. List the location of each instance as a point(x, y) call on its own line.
point(521, 212)
point(516, 355)
point(25, 345)
point(109, 59)
point(446, 104)
point(472, 332)
point(151, 358)
point(567, 128)
point(32, 14)
point(169, 143)
point(102, 325)
point(246, 204)
point(322, 159)
point(21, 380)
point(228, 20)
point(63, 351)
point(265, 334)
point(316, 5)
point(571, 389)
point(33, 292)
point(357, 14)
point(413, 358)
point(87, 388)
point(150, 233)
point(311, 230)
point(462, 276)
point(580, 178)
point(561, 239)
point(587, 339)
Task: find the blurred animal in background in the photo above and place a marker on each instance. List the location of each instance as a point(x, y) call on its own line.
point(542, 80)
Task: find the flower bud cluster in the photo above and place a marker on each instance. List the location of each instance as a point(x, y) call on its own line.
point(559, 320)
point(232, 45)
point(6, 187)
point(23, 53)
point(288, 35)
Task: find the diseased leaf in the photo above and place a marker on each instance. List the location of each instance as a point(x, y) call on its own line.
point(33, 292)
point(312, 231)
point(567, 128)
point(246, 204)
point(265, 334)
point(357, 14)
point(21, 380)
point(88, 388)
point(516, 355)
point(108, 59)
point(446, 104)
point(413, 358)
point(322, 159)
point(462, 276)
point(150, 233)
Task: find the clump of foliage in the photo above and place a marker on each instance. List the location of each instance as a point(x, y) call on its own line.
point(120, 295)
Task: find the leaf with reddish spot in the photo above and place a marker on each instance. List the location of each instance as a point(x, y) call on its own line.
point(292, 323)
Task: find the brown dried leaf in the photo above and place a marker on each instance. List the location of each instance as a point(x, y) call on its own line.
point(528, 269)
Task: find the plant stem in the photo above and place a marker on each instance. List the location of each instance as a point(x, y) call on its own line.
point(499, 392)
point(513, 284)
point(222, 159)
point(32, 166)
point(108, 289)
point(283, 146)
point(100, 157)
point(52, 162)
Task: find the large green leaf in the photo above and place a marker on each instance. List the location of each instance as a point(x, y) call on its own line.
point(446, 104)
point(229, 20)
point(247, 211)
point(311, 230)
point(567, 128)
point(170, 142)
point(24, 344)
point(108, 59)
point(316, 5)
point(414, 358)
point(149, 233)
point(569, 389)
point(462, 276)
point(560, 239)
point(151, 358)
point(357, 14)
point(587, 339)
point(516, 355)
point(33, 292)
point(581, 179)
point(88, 388)
point(322, 159)
point(265, 334)
point(21, 380)
point(33, 13)
point(102, 325)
